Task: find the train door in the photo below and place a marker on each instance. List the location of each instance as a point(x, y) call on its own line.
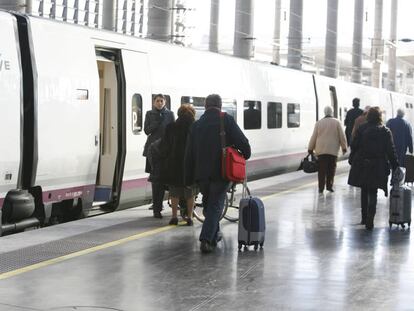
point(334, 101)
point(111, 142)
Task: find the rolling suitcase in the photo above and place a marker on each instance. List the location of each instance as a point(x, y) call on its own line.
point(409, 166)
point(251, 222)
point(400, 206)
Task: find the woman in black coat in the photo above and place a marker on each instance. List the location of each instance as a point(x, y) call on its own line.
point(173, 147)
point(155, 123)
point(372, 154)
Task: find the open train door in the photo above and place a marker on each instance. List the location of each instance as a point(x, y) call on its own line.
point(112, 128)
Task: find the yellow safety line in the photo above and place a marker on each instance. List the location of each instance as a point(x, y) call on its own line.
point(83, 252)
point(141, 235)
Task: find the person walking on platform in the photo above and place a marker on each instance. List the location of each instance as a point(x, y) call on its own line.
point(360, 120)
point(326, 139)
point(402, 135)
point(372, 153)
point(350, 118)
point(203, 165)
point(154, 126)
point(173, 147)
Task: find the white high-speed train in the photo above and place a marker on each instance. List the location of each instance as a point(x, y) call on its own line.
point(72, 101)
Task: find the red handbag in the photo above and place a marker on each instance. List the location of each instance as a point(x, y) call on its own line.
point(233, 164)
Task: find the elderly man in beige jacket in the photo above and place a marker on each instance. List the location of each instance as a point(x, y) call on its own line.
point(328, 135)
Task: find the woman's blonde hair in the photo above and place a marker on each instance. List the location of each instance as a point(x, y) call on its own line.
point(186, 110)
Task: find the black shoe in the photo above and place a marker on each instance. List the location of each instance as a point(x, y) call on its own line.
point(206, 247)
point(330, 189)
point(151, 207)
point(363, 222)
point(369, 226)
point(190, 222)
point(173, 221)
point(320, 191)
point(157, 215)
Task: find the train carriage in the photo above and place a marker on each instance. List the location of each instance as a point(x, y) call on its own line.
point(73, 99)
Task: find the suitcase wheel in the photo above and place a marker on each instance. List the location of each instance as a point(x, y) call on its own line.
point(261, 245)
point(245, 248)
point(256, 246)
point(409, 223)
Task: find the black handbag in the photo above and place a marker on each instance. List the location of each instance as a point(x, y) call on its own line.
point(310, 165)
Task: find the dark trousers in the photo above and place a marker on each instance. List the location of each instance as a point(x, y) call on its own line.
point(368, 204)
point(326, 171)
point(158, 191)
point(214, 194)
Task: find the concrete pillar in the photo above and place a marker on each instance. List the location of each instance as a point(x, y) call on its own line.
point(331, 42)
point(109, 15)
point(295, 34)
point(377, 47)
point(392, 50)
point(160, 20)
point(357, 39)
point(276, 33)
point(214, 24)
point(243, 30)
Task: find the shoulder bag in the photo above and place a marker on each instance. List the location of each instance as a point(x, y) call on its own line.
point(233, 164)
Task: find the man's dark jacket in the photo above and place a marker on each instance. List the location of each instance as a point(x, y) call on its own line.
point(203, 150)
point(403, 139)
point(155, 124)
point(350, 118)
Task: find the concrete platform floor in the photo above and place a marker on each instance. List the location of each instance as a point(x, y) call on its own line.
point(316, 257)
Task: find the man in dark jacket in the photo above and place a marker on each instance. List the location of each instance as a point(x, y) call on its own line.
point(154, 126)
point(350, 118)
point(203, 164)
point(402, 135)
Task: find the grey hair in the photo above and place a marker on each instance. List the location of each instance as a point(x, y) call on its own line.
point(400, 112)
point(328, 111)
point(367, 108)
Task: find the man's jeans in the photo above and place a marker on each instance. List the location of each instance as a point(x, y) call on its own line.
point(214, 193)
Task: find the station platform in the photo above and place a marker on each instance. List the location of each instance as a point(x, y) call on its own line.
point(316, 257)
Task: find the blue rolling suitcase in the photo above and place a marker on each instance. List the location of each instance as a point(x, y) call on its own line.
point(252, 224)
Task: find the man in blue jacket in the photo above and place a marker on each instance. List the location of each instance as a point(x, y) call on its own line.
point(402, 135)
point(203, 165)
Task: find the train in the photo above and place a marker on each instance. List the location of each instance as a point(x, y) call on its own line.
point(72, 101)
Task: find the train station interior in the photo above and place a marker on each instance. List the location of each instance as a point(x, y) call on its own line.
point(79, 225)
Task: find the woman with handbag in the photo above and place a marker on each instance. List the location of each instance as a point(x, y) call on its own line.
point(328, 135)
point(372, 154)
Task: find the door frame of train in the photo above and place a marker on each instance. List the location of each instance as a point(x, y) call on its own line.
point(115, 56)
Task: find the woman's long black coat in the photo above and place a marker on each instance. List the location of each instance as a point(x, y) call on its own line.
point(173, 148)
point(372, 153)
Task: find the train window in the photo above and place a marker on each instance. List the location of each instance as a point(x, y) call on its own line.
point(252, 115)
point(167, 100)
point(230, 107)
point(197, 102)
point(293, 115)
point(136, 114)
point(274, 115)
point(406, 105)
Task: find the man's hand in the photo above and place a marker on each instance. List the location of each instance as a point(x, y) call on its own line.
point(343, 151)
